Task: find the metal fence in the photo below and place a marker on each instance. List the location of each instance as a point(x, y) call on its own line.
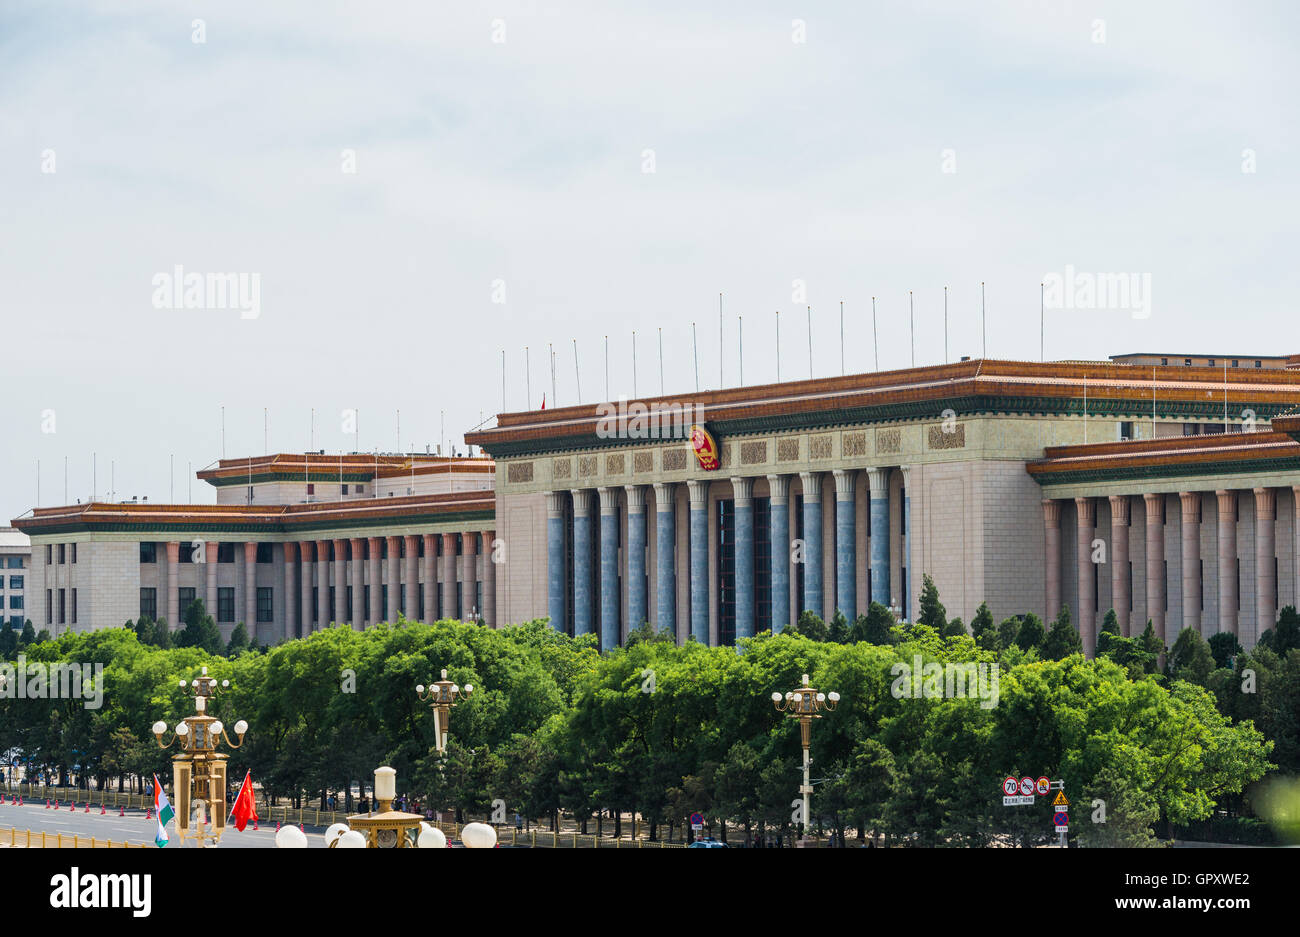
point(26, 839)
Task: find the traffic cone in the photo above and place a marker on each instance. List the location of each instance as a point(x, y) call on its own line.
point(47, 803)
point(121, 811)
point(277, 826)
point(87, 806)
point(102, 810)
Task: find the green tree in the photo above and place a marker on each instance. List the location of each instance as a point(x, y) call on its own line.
point(1062, 640)
point(954, 629)
point(810, 625)
point(839, 628)
point(1224, 646)
point(874, 627)
point(1008, 630)
point(1190, 658)
point(8, 642)
point(932, 611)
point(982, 627)
point(1031, 634)
point(28, 636)
point(200, 630)
point(1152, 645)
point(238, 641)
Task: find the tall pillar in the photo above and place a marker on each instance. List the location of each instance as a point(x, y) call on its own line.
point(411, 587)
point(1227, 560)
point(1086, 511)
point(555, 591)
point(323, 584)
point(812, 541)
point(306, 615)
point(430, 578)
point(846, 555)
point(469, 574)
point(489, 579)
point(1190, 503)
point(210, 556)
point(779, 535)
point(1265, 574)
point(342, 611)
point(1120, 596)
point(373, 576)
point(878, 480)
point(355, 546)
point(250, 590)
point(448, 575)
point(290, 591)
point(394, 576)
point(1155, 519)
point(583, 617)
point(699, 499)
point(638, 610)
point(173, 584)
point(1052, 556)
point(665, 558)
point(909, 588)
point(743, 495)
point(609, 597)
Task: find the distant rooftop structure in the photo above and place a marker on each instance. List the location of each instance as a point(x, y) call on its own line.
point(11, 539)
point(1175, 359)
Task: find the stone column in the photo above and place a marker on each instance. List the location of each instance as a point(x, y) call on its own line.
point(357, 550)
point(812, 541)
point(173, 584)
point(322, 584)
point(1052, 556)
point(469, 574)
point(430, 578)
point(699, 499)
point(909, 587)
point(411, 587)
point(306, 614)
point(341, 608)
point(779, 524)
point(489, 579)
point(290, 591)
point(211, 553)
point(665, 558)
point(638, 609)
point(1265, 574)
point(1120, 596)
point(609, 597)
point(878, 480)
point(583, 613)
point(1227, 560)
point(1155, 520)
point(846, 546)
point(1086, 511)
point(250, 590)
point(743, 495)
point(555, 584)
point(393, 577)
point(448, 575)
point(373, 574)
point(1190, 503)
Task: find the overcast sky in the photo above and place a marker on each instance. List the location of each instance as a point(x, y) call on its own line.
point(501, 152)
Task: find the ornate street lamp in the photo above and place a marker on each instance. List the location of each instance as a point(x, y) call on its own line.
point(805, 704)
point(442, 696)
point(392, 829)
point(199, 770)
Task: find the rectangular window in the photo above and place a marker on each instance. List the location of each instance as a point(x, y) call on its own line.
point(1201, 566)
point(1259, 363)
point(796, 522)
point(148, 551)
point(185, 597)
point(15, 601)
point(315, 604)
point(478, 598)
point(1130, 585)
point(361, 489)
point(186, 553)
point(264, 552)
point(74, 606)
point(345, 489)
point(49, 606)
point(149, 603)
point(226, 604)
point(1187, 362)
point(460, 613)
point(62, 553)
point(350, 600)
point(74, 553)
point(726, 552)
point(265, 597)
point(311, 489)
point(15, 562)
point(15, 582)
point(1164, 362)
point(225, 553)
point(365, 599)
point(333, 615)
point(383, 605)
point(1238, 584)
point(419, 608)
point(1126, 429)
point(1234, 362)
point(63, 606)
point(48, 554)
point(1211, 362)
point(1164, 576)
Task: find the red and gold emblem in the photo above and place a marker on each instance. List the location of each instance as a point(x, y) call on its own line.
point(705, 448)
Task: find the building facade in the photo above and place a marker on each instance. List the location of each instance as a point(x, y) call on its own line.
point(15, 561)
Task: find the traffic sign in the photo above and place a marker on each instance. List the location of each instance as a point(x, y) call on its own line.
point(1018, 801)
point(1009, 786)
point(1061, 819)
point(1062, 829)
point(1060, 800)
point(1027, 786)
point(697, 821)
point(1044, 785)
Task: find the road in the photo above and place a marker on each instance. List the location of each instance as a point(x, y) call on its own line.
point(134, 827)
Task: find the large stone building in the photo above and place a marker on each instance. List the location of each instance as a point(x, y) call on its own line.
point(1167, 491)
point(15, 558)
point(1007, 482)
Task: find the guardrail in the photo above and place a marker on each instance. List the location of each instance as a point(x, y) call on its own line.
point(26, 839)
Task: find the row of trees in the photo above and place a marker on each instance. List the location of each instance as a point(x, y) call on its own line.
point(663, 730)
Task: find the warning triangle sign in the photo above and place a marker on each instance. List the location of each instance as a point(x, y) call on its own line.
point(1060, 800)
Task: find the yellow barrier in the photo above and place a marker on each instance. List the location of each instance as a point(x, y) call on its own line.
point(27, 839)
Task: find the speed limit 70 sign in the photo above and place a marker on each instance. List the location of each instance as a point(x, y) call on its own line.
point(1010, 787)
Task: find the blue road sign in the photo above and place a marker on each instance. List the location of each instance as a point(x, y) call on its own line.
point(697, 819)
point(1061, 819)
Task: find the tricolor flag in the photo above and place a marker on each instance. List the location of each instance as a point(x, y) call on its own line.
point(163, 809)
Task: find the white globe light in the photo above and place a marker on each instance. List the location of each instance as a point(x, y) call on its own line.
point(225, 683)
point(478, 836)
point(789, 695)
point(217, 727)
point(454, 688)
point(821, 697)
point(776, 697)
point(182, 684)
point(835, 697)
point(334, 832)
point(182, 729)
point(419, 688)
point(195, 684)
point(352, 839)
point(290, 837)
point(159, 727)
point(469, 688)
point(431, 838)
point(241, 727)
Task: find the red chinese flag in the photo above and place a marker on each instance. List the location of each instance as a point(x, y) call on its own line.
point(245, 809)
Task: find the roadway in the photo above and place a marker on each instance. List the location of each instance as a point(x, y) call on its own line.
point(133, 828)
